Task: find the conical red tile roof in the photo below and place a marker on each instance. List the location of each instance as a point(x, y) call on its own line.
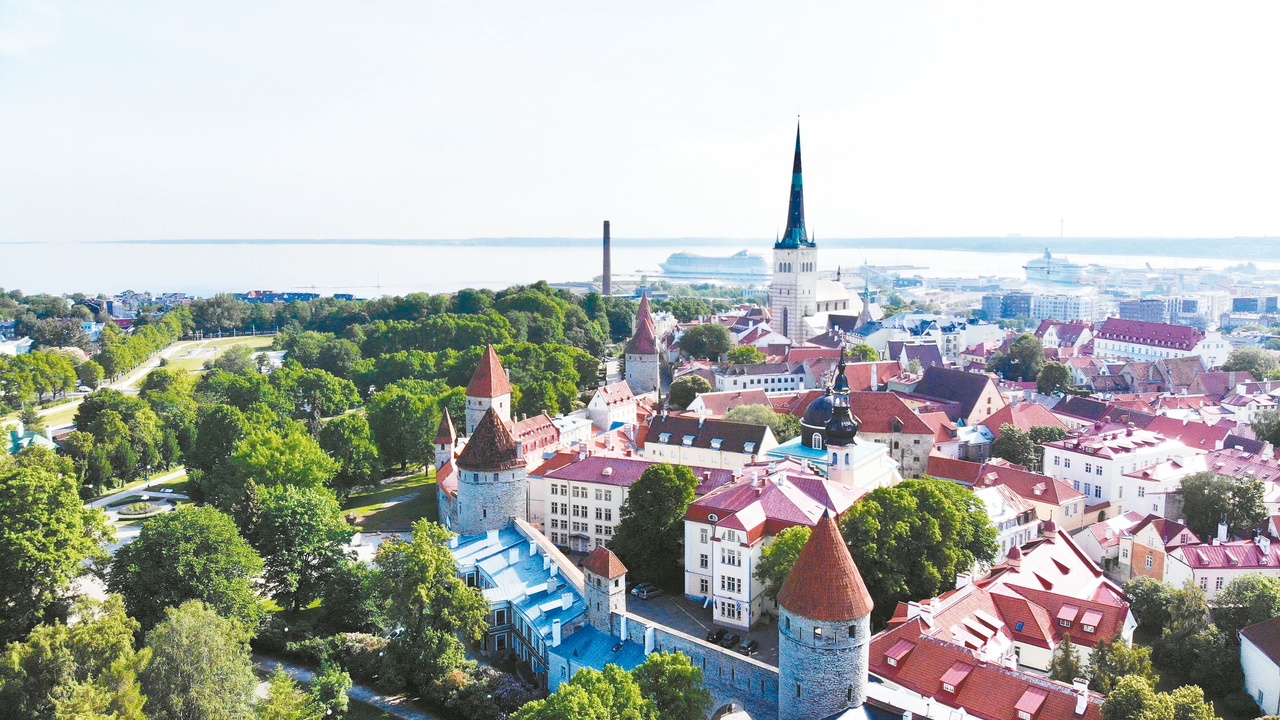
point(446, 434)
point(489, 380)
point(491, 446)
point(645, 339)
point(603, 562)
point(824, 584)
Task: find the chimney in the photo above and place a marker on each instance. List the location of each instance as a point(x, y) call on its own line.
point(566, 601)
point(546, 561)
point(1081, 688)
point(555, 633)
point(513, 556)
point(1222, 531)
point(606, 286)
point(622, 627)
point(551, 585)
point(962, 579)
point(555, 570)
point(926, 612)
point(650, 639)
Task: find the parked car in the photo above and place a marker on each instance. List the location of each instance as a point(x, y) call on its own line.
point(649, 592)
point(749, 647)
point(641, 587)
point(716, 635)
point(731, 640)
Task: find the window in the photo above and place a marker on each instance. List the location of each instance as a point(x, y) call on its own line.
point(1097, 491)
point(1124, 553)
point(1149, 562)
point(702, 535)
point(1066, 462)
point(1217, 585)
point(1057, 460)
point(702, 560)
point(816, 441)
point(1142, 491)
point(1065, 623)
point(1204, 583)
point(730, 609)
point(853, 631)
point(1018, 627)
point(1088, 468)
point(1090, 628)
point(730, 557)
point(1087, 489)
point(1024, 715)
point(704, 585)
point(1097, 470)
point(948, 687)
point(1075, 484)
point(730, 584)
point(817, 633)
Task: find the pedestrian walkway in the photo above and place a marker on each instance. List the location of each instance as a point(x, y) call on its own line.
point(392, 705)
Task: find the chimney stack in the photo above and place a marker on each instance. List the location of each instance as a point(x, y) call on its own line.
point(606, 286)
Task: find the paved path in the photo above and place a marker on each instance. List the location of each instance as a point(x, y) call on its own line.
point(392, 705)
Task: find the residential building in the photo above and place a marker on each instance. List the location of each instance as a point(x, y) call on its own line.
point(1149, 310)
point(1013, 517)
point(611, 406)
point(886, 419)
point(966, 397)
point(1101, 541)
point(1052, 499)
point(1145, 547)
point(1260, 658)
point(1062, 306)
point(1096, 464)
point(1057, 334)
point(1213, 567)
point(1148, 341)
point(1023, 416)
point(716, 404)
point(770, 377)
point(726, 530)
point(705, 442)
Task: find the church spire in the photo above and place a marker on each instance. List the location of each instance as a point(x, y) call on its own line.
point(795, 236)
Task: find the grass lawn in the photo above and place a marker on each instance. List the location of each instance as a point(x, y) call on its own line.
point(178, 485)
point(183, 360)
point(64, 415)
point(387, 509)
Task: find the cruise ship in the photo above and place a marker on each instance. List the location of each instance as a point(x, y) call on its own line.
point(1053, 270)
point(741, 266)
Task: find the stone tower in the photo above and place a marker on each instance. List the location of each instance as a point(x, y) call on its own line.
point(489, 388)
point(446, 440)
point(606, 588)
point(492, 479)
point(793, 294)
point(642, 352)
point(842, 431)
point(824, 630)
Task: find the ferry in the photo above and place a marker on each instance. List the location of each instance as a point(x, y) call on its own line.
point(741, 266)
point(1054, 270)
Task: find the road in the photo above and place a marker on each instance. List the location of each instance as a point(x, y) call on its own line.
point(392, 705)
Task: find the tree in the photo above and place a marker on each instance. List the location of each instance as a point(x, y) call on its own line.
point(317, 394)
point(1041, 434)
point(673, 685)
point(348, 597)
point(90, 374)
point(1065, 666)
point(200, 667)
point(609, 694)
point(1259, 363)
point(1150, 601)
point(746, 355)
point(1266, 426)
point(1054, 378)
point(192, 553)
point(1023, 360)
point(289, 456)
point(402, 425)
point(285, 700)
point(1111, 661)
point(302, 537)
point(218, 429)
point(684, 390)
point(1134, 698)
point(237, 360)
point(784, 427)
point(863, 352)
point(431, 605)
point(650, 531)
point(1015, 445)
point(329, 692)
point(46, 536)
point(349, 441)
point(710, 341)
point(778, 557)
point(1208, 497)
point(86, 669)
point(1248, 599)
point(910, 540)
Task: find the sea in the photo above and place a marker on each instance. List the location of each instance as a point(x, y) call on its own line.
point(370, 268)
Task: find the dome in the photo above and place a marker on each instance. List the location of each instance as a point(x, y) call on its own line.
point(818, 412)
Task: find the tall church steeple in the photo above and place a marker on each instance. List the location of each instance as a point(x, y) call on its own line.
point(796, 235)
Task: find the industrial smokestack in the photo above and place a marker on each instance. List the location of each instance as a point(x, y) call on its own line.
point(607, 285)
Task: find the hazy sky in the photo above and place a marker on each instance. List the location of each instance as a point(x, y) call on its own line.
point(382, 119)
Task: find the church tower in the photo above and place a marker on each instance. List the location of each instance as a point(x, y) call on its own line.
point(842, 431)
point(824, 630)
point(793, 294)
point(492, 478)
point(489, 388)
point(642, 352)
point(606, 588)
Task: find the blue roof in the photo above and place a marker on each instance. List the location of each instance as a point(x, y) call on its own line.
point(796, 449)
point(591, 648)
point(522, 583)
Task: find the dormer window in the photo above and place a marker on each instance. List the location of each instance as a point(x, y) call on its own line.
point(687, 440)
point(749, 447)
point(715, 443)
point(664, 437)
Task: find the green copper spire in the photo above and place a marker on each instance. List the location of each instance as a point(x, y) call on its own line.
point(795, 236)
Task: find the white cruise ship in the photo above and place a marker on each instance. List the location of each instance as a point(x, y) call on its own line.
point(741, 266)
point(1053, 270)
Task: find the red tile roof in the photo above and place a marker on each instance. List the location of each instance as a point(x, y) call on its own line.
point(1028, 485)
point(621, 471)
point(719, 403)
point(535, 433)
point(772, 502)
point(615, 394)
point(1239, 463)
point(824, 584)
point(1237, 554)
point(446, 435)
point(1023, 416)
point(1177, 337)
point(1266, 637)
point(491, 446)
point(1193, 434)
point(604, 563)
point(645, 339)
point(882, 412)
point(489, 380)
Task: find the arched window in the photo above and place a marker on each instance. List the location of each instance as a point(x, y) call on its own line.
point(846, 458)
point(834, 458)
point(816, 442)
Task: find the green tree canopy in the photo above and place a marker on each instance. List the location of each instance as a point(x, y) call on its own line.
point(1066, 665)
point(710, 340)
point(1022, 362)
point(1248, 599)
point(403, 424)
point(46, 536)
point(910, 540)
point(650, 531)
point(746, 355)
point(1259, 363)
point(1054, 378)
point(302, 537)
point(863, 352)
point(192, 553)
point(778, 557)
point(685, 389)
point(1134, 698)
point(611, 694)
point(349, 441)
point(1111, 661)
point(784, 426)
point(1150, 600)
point(200, 667)
point(1015, 445)
point(1207, 497)
point(674, 685)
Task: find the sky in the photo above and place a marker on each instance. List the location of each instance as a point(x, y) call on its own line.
point(229, 119)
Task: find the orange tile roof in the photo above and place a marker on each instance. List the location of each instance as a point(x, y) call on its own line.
point(446, 435)
point(604, 563)
point(489, 380)
point(824, 584)
point(491, 446)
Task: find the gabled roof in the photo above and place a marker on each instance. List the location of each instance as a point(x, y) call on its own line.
point(491, 446)
point(619, 471)
point(881, 412)
point(719, 403)
point(1023, 416)
point(489, 379)
point(1178, 337)
point(1170, 532)
point(604, 563)
point(1031, 486)
point(1218, 385)
point(1193, 434)
point(615, 394)
point(824, 584)
point(644, 341)
point(733, 437)
point(958, 386)
point(1266, 637)
point(1234, 555)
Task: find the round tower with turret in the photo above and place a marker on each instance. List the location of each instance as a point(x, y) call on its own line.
point(492, 478)
point(446, 440)
point(605, 588)
point(643, 352)
point(824, 630)
point(489, 388)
